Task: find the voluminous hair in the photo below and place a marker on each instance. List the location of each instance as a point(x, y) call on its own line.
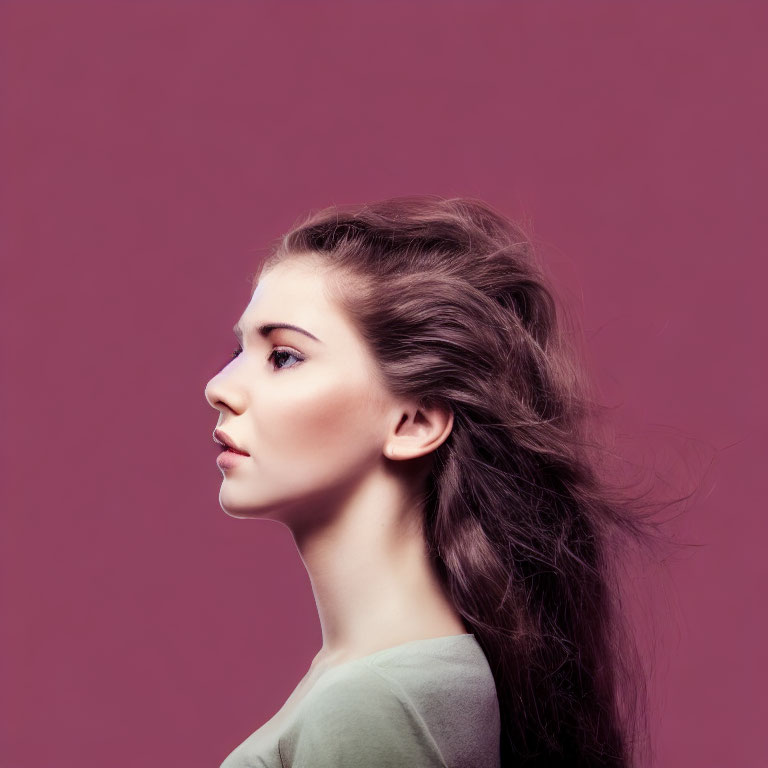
point(521, 519)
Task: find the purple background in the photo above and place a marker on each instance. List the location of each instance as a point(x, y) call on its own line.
point(150, 153)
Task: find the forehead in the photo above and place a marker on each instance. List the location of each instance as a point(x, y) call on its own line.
point(288, 281)
point(293, 292)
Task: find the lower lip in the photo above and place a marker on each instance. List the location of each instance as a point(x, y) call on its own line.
point(228, 459)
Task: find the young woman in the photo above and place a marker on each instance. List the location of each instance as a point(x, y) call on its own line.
point(403, 400)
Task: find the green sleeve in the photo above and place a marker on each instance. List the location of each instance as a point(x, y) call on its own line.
point(360, 718)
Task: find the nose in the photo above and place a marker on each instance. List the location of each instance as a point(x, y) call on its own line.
point(211, 392)
point(220, 392)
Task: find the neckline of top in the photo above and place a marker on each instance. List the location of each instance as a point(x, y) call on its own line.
point(397, 647)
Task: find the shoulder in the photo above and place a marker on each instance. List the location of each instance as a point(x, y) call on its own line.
point(357, 715)
point(453, 689)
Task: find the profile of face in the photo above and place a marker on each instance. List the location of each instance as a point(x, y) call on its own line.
point(309, 411)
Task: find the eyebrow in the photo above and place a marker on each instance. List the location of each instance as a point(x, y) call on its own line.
point(267, 328)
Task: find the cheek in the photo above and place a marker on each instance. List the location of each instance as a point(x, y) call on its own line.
point(318, 425)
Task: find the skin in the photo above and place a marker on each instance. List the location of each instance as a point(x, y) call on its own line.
point(338, 460)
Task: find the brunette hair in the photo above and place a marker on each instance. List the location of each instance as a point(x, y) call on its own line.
point(520, 519)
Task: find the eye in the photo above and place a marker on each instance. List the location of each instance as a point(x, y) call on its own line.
point(279, 351)
point(275, 351)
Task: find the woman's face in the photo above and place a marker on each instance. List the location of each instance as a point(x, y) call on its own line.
point(309, 412)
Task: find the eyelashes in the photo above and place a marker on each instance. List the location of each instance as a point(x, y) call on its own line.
point(276, 351)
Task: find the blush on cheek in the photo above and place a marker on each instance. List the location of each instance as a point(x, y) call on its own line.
point(331, 426)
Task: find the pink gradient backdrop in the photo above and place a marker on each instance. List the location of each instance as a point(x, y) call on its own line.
point(150, 151)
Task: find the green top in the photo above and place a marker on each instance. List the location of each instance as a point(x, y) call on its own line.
point(428, 703)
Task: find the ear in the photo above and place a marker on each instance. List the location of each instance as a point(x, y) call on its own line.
point(418, 430)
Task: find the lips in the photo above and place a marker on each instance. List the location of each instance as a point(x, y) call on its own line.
point(224, 440)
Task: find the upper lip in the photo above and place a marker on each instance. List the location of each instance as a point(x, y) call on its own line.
point(222, 438)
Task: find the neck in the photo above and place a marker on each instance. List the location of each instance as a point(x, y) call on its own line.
point(372, 579)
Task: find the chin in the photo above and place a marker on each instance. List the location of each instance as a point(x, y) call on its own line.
point(244, 508)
